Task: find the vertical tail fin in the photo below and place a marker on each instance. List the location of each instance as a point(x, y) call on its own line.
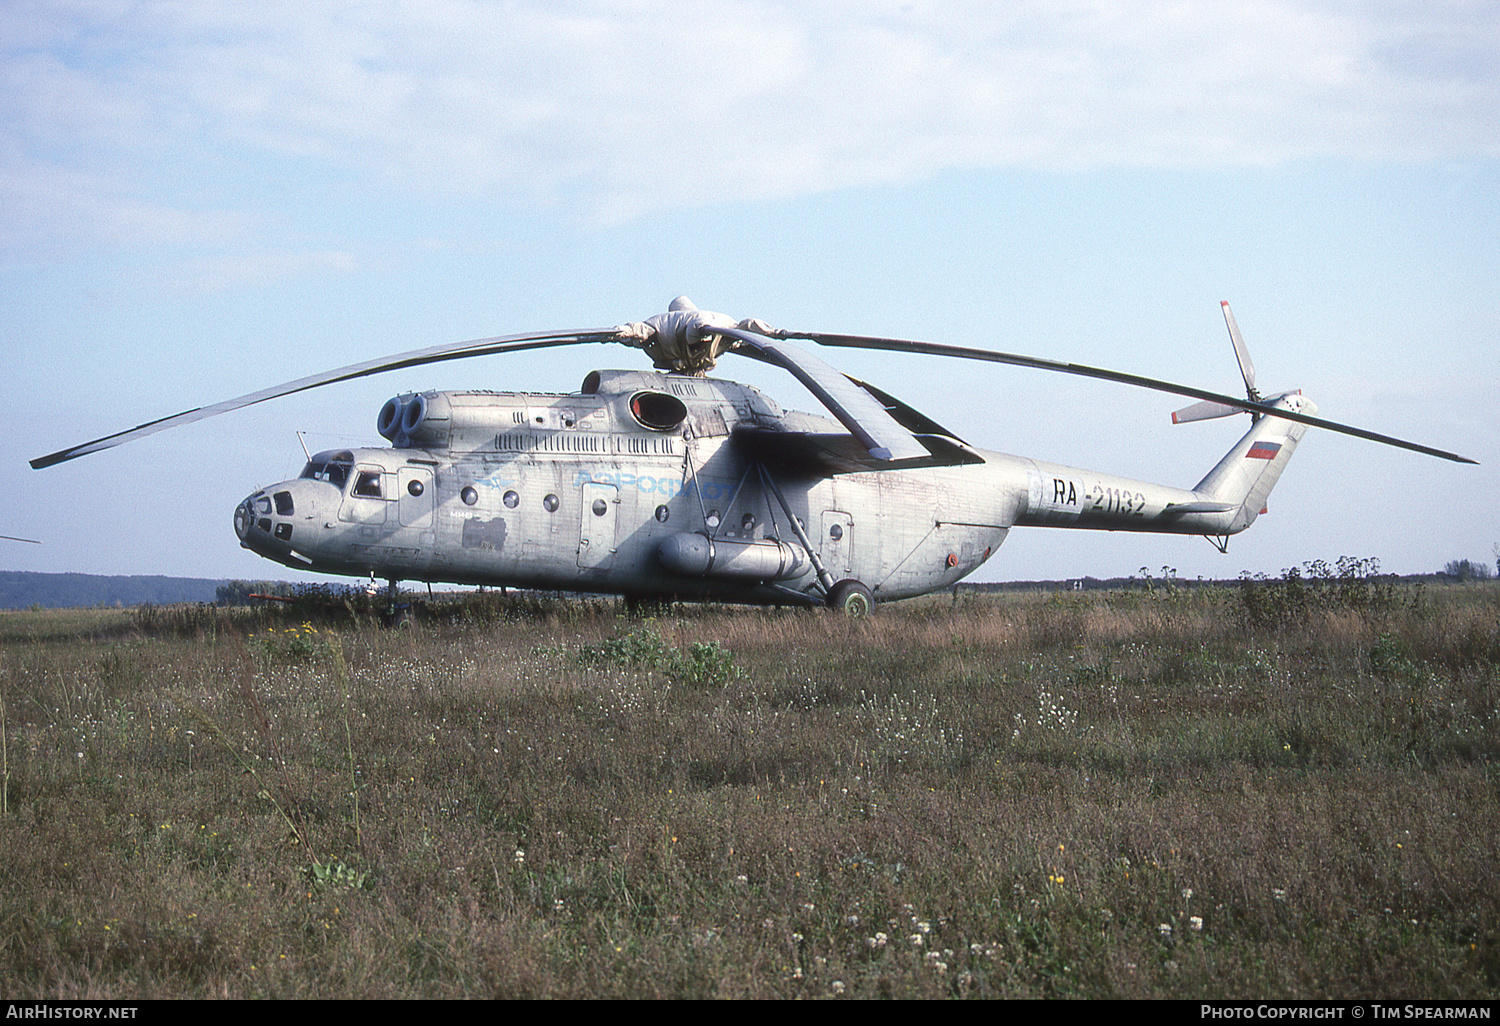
point(1248, 472)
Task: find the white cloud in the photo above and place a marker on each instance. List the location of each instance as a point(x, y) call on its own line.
point(622, 107)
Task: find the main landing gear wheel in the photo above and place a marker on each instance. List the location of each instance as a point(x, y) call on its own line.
point(852, 599)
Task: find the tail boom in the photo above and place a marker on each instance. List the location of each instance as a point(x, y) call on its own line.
point(1225, 502)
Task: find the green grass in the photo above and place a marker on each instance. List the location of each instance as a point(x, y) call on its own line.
point(1181, 793)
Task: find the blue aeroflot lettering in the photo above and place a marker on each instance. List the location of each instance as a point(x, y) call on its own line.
point(670, 487)
point(712, 491)
point(667, 486)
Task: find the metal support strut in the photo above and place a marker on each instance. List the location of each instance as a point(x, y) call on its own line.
point(825, 579)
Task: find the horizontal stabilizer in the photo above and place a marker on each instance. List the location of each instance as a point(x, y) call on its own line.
point(1200, 507)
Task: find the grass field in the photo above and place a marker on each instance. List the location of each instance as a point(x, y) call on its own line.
point(1286, 789)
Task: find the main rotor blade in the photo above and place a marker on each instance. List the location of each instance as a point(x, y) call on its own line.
point(1039, 363)
point(415, 358)
point(856, 409)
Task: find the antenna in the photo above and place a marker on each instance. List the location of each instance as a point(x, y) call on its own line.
point(302, 443)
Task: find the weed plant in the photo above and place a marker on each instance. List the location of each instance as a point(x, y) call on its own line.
point(1163, 793)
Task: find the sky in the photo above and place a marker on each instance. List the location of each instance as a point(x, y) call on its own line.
point(199, 199)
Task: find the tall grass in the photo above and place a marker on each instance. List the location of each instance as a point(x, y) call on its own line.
point(1122, 794)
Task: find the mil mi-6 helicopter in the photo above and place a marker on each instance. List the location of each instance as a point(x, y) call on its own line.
point(675, 485)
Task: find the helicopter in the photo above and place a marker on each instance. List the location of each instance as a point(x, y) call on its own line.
point(671, 484)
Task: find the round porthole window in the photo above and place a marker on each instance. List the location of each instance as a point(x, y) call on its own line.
point(836, 532)
point(600, 507)
point(511, 500)
point(415, 487)
point(663, 514)
point(469, 495)
point(550, 503)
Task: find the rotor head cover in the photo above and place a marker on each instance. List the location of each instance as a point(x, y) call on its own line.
point(683, 339)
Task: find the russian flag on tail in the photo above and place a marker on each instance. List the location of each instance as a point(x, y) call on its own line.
point(1263, 451)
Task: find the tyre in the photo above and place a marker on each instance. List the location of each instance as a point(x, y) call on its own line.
point(852, 599)
point(401, 618)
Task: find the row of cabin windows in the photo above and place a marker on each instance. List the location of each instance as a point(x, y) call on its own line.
point(367, 486)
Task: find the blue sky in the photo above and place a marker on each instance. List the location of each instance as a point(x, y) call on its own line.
point(200, 199)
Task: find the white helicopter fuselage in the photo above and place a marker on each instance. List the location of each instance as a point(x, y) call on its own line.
point(669, 486)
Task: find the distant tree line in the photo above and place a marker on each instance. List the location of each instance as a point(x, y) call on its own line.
point(1469, 570)
point(237, 593)
point(21, 589)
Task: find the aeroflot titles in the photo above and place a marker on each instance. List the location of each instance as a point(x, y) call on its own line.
point(666, 486)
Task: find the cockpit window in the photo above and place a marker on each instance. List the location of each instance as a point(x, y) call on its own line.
point(368, 484)
point(335, 472)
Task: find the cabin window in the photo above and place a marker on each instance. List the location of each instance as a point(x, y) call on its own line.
point(415, 487)
point(511, 500)
point(600, 507)
point(747, 523)
point(836, 532)
point(263, 504)
point(283, 504)
point(367, 486)
point(284, 532)
point(663, 514)
point(550, 503)
point(469, 495)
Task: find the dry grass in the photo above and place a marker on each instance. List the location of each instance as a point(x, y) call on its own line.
point(1165, 794)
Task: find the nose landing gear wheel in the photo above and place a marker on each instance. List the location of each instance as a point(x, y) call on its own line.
point(852, 599)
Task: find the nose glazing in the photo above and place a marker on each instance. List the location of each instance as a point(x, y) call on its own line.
point(244, 519)
point(264, 516)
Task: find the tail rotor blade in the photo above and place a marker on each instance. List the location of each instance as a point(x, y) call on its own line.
point(1205, 410)
point(1247, 368)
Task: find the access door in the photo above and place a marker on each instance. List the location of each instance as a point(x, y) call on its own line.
point(414, 494)
point(596, 541)
point(837, 543)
